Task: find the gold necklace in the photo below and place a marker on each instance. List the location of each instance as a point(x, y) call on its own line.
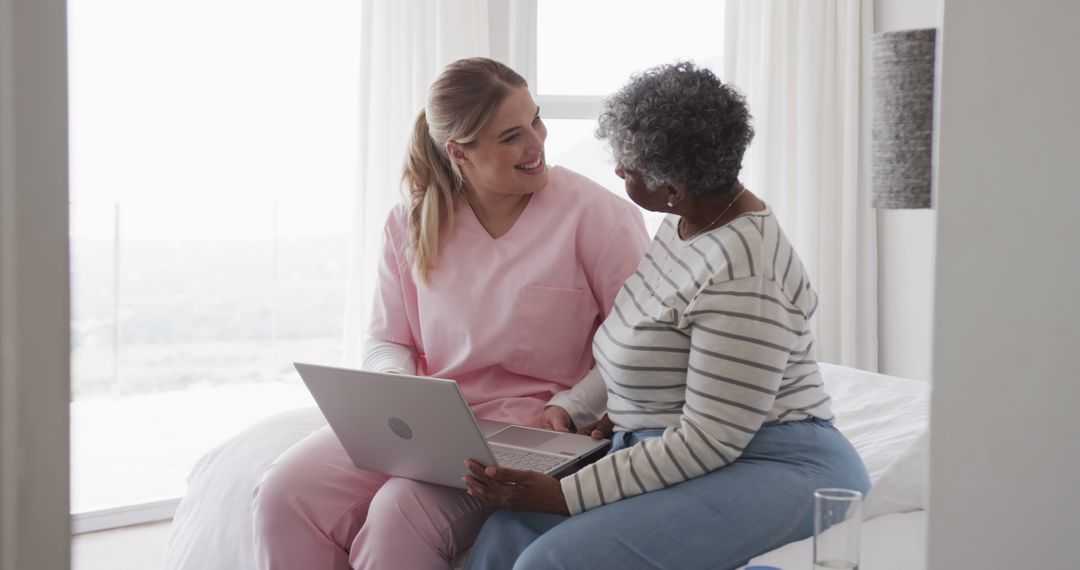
point(702, 230)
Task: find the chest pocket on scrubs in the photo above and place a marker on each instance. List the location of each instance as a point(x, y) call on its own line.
point(554, 332)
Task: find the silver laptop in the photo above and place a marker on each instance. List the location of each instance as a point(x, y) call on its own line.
point(421, 428)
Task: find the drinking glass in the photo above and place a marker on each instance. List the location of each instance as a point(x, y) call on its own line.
point(837, 526)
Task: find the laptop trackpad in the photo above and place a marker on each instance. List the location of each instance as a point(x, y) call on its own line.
point(522, 437)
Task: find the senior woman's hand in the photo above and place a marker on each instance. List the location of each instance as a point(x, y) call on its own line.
point(516, 489)
point(555, 418)
point(603, 428)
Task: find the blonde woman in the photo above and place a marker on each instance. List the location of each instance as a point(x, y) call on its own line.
point(495, 273)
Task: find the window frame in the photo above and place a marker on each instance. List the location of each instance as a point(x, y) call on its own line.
point(522, 57)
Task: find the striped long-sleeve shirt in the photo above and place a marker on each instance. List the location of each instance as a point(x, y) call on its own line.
point(709, 339)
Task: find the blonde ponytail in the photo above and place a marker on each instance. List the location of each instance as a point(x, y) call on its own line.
point(431, 179)
point(460, 103)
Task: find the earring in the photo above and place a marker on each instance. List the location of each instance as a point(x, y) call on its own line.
point(669, 204)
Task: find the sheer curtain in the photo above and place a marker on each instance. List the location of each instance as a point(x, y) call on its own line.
point(801, 65)
point(804, 67)
point(405, 45)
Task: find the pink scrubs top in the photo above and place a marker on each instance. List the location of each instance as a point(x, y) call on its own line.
point(512, 319)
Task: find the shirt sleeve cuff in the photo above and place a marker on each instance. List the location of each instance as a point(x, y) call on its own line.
point(384, 356)
point(571, 489)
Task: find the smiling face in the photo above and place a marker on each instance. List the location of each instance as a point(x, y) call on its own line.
point(508, 155)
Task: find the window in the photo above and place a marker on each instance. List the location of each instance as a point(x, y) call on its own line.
point(213, 159)
point(213, 151)
point(624, 37)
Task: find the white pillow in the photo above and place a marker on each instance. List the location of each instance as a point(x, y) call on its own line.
point(903, 486)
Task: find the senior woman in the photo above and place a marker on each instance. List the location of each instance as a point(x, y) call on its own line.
point(722, 425)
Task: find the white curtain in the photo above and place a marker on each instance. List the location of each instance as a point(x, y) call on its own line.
point(405, 44)
point(804, 67)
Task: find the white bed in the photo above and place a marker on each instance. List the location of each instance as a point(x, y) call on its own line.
point(883, 416)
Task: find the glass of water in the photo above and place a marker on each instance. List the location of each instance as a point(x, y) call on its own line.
point(837, 528)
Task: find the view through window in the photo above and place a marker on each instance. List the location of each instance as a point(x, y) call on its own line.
point(623, 37)
point(213, 157)
point(213, 149)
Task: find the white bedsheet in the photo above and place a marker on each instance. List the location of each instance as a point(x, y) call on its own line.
point(212, 527)
point(212, 530)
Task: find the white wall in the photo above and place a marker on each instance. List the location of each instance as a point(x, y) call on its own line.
point(34, 316)
point(1005, 454)
point(905, 242)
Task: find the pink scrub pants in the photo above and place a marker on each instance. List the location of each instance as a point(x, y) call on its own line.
point(314, 510)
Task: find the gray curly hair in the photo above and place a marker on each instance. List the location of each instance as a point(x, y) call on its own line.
point(679, 124)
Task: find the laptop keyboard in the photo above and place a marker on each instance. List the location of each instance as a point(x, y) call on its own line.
point(528, 460)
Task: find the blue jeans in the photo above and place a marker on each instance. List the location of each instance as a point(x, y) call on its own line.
point(763, 500)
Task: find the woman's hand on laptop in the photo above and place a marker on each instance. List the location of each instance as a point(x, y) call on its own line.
point(555, 418)
point(515, 489)
point(600, 429)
